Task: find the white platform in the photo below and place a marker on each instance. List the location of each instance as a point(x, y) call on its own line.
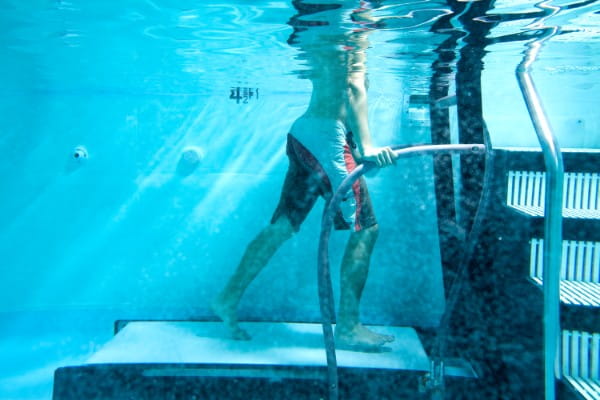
point(273, 344)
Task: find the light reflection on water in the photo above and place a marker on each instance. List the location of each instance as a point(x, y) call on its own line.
point(154, 46)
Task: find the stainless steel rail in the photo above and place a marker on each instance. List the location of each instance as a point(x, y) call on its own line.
point(552, 207)
point(326, 301)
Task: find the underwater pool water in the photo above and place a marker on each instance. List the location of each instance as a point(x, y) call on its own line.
point(127, 230)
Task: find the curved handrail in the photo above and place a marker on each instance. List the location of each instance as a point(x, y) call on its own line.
point(552, 207)
point(455, 286)
point(324, 275)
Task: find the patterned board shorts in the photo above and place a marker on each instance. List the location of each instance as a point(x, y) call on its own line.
point(306, 181)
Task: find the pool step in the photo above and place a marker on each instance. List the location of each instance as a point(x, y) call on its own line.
point(580, 271)
point(581, 194)
point(580, 362)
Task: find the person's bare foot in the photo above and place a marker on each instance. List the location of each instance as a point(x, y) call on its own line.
point(359, 338)
point(228, 315)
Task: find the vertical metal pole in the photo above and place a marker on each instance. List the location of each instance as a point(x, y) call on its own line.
point(553, 213)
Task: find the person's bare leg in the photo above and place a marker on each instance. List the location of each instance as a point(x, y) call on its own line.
point(257, 255)
point(355, 267)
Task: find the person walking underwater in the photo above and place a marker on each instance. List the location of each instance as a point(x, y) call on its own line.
point(323, 146)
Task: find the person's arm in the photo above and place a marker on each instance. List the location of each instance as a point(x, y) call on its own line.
point(357, 116)
point(357, 107)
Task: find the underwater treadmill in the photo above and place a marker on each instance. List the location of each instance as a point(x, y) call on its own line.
point(193, 359)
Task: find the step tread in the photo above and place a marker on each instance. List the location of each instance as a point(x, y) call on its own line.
point(580, 359)
point(589, 389)
point(577, 293)
point(538, 211)
point(580, 271)
point(581, 193)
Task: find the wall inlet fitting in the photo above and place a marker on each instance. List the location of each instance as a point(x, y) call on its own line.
point(80, 153)
point(190, 159)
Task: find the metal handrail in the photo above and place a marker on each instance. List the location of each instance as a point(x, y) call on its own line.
point(553, 208)
point(324, 275)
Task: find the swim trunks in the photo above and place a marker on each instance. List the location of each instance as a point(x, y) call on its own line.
point(320, 157)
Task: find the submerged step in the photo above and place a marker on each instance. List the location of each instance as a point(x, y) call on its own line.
point(192, 359)
point(272, 344)
point(581, 193)
point(580, 271)
point(580, 362)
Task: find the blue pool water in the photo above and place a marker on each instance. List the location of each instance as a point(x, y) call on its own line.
point(126, 231)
